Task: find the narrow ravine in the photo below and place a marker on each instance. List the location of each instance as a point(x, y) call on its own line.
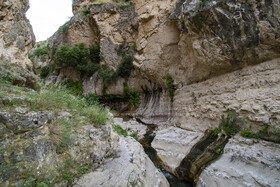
point(152, 153)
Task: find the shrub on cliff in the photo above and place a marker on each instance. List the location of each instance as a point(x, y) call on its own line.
point(125, 67)
point(81, 58)
point(170, 86)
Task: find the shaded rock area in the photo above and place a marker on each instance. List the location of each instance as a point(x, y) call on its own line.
point(132, 167)
point(245, 162)
point(16, 35)
point(18, 75)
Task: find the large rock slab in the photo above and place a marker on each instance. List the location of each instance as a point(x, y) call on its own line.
point(132, 168)
point(245, 162)
point(173, 144)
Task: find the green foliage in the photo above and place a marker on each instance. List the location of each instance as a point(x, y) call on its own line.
point(220, 150)
point(44, 72)
point(76, 88)
point(264, 131)
point(92, 99)
point(133, 98)
point(249, 134)
point(201, 4)
point(79, 57)
point(124, 133)
point(32, 182)
point(183, 25)
point(230, 123)
point(125, 67)
point(134, 135)
point(170, 86)
point(41, 51)
point(85, 11)
point(216, 131)
point(94, 53)
point(59, 98)
point(120, 130)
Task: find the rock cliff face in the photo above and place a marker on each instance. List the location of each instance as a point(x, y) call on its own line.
point(16, 35)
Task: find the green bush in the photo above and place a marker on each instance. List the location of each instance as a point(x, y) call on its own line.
point(125, 67)
point(94, 53)
point(216, 131)
point(92, 99)
point(79, 57)
point(44, 72)
point(230, 123)
point(41, 51)
point(76, 88)
point(170, 86)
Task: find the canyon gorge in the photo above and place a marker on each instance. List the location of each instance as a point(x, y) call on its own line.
point(181, 93)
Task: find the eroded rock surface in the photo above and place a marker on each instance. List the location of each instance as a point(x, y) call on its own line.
point(173, 144)
point(245, 162)
point(252, 92)
point(16, 35)
point(132, 167)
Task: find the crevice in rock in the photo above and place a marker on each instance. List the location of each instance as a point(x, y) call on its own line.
point(152, 153)
point(206, 151)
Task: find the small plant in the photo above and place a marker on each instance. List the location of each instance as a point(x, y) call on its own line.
point(170, 86)
point(220, 150)
point(120, 130)
point(92, 99)
point(183, 25)
point(249, 134)
point(85, 11)
point(134, 135)
point(216, 131)
point(194, 97)
point(230, 123)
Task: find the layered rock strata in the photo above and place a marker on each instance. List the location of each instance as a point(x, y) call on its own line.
point(245, 162)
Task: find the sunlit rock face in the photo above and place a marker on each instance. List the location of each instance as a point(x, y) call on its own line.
point(244, 163)
point(131, 167)
point(16, 35)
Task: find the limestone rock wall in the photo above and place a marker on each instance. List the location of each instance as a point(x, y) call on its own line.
point(244, 163)
point(252, 92)
point(16, 35)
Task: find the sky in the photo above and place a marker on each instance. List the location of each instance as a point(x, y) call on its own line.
point(46, 16)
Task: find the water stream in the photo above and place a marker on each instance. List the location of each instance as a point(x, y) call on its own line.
point(151, 152)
